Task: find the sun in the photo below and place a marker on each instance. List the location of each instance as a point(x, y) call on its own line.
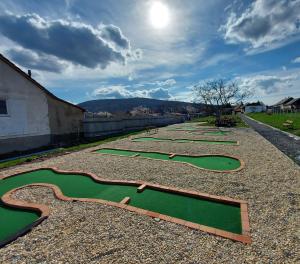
point(159, 15)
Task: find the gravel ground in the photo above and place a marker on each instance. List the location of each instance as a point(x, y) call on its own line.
point(288, 145)
point(79, 232)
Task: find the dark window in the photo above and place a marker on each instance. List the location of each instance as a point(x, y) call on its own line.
point(3, 107)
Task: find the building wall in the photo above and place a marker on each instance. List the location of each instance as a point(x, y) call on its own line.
point(27, 112)
point(255, 108)
point(65, 121)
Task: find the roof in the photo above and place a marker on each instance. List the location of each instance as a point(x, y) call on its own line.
point(255, 104)
point(284, 101)
point(293, 101)
point(16, 68)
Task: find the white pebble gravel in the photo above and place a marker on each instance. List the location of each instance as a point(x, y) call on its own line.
point(78, 232)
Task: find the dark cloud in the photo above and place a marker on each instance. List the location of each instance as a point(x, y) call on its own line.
point(32, 60)
point(114, 34)
point(264, 23)
point(75, 42)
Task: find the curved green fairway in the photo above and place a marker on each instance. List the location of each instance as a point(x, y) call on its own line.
point(184, 140)
point(210, 162)
point(210, 133)
point(202, 131)
point(14, 220)
point(216, 133)
point(206, 212)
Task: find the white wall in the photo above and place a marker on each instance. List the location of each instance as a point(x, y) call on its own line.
point(255, 108)
point(26, 103)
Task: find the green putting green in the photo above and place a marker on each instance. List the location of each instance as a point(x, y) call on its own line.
point(206, 212)
point(14, 220)
point(194, 128)
point(217, 133)
point(201, 131)
point(184, 140)
point(209, 162)
point(182, 128)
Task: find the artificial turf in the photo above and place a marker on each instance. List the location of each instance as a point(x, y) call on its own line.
point(210, 213)
point(210, 162)
point(184, 140)
point(210, 133)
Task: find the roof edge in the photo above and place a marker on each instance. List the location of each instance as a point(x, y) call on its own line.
point(16, 68)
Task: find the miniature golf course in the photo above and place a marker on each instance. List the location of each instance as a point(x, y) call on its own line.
point(205, 211)
point(210, 133)
point(209, 162)
point(201, 131)
point(184, 140)
point(194, 128)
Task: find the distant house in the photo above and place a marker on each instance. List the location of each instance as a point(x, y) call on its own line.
point(30, 116)
point(293, 104)
point(281, 105)
point(256, 107)
point(239, 108)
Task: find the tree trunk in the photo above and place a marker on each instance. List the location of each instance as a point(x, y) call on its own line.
point(218, 115)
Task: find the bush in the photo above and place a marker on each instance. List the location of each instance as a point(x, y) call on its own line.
point(226, 121)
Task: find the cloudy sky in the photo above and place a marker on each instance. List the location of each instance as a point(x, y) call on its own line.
point(84, 50)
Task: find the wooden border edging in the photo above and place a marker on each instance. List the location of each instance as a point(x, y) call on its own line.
point(194, 141)
point(45, 212)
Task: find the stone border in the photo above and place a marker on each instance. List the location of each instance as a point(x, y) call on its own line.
point(141, 185)
point(172, 139)
point(171, 155)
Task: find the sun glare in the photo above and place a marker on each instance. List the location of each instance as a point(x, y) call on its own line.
point(159, 15)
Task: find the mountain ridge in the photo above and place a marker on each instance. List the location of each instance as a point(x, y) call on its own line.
point(127, 104)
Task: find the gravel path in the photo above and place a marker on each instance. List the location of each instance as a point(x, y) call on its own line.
point(288, 145)
point(79, 232)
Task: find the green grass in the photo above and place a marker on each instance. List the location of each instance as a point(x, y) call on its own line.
point(212, 119)
point(277, 120)
point(202, 211)
point(60, 151)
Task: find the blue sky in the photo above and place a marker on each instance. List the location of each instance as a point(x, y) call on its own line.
point(84, 50)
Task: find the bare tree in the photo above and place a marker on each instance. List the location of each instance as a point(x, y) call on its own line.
point(217, 94)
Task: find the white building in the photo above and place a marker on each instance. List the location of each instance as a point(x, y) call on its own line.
point(30, 116)
point(255, 107)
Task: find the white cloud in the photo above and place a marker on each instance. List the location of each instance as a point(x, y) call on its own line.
point(169, 82)
point(265, 24)
point(296, 60)
point(158, 93)
point(166, 83)
point(264, 84)
point(121, 91)
point(216, 59)
point(184, 96)
point(112, 92)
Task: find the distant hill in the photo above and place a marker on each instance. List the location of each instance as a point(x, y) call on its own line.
point(124, 105)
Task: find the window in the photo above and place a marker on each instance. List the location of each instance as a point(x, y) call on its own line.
point(3, 107)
